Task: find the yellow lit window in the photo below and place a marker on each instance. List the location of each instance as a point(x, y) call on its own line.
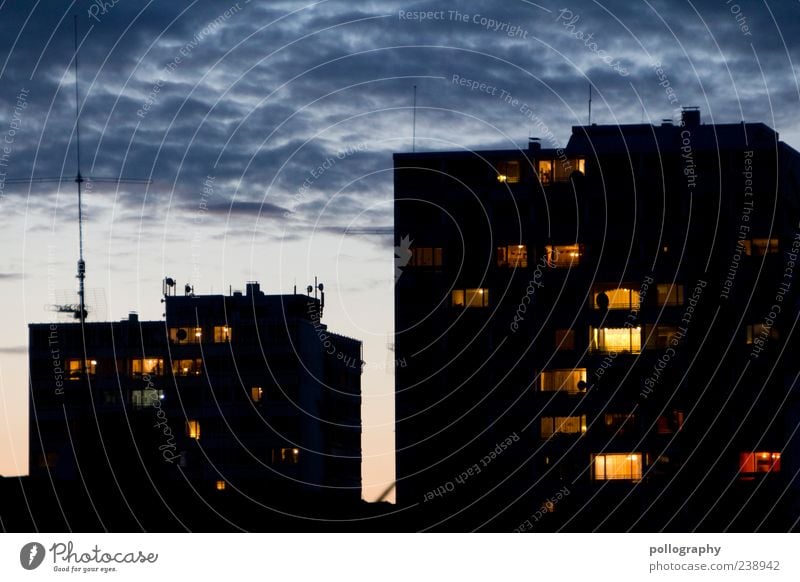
point(512, 256)
point(74, 368)
point(759, 247)
point(191, 367)
point(545, 171)
point(554, 425)
point(619, 422)
point(508, 172)
point(256, 393)
point(185, 335)
point(193, 429)
point(759, 462)
point(470, 298)
point(659, 336)
point(149, 366)
point(563, 256)
point(564, 167)
point(615, 339)
point(569, 381)
point(608, 466)
point(145, 398)
point(759, 333)
point(221, 485)
point(669, 294)
point(565, 339)
point(610, 297)
point(425, 257)
point(222, 334)
point(286, 456)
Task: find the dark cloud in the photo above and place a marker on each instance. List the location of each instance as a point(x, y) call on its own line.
point(14, 350)
point(261, 95)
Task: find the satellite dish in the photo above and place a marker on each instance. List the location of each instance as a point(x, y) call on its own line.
point(181, 335)
point(602, 301)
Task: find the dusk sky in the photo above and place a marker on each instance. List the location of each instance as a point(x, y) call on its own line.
point(292, 112)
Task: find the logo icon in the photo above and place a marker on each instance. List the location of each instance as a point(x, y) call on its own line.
point(402, 256)
point(31, 555)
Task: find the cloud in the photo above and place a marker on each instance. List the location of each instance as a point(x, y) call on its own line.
point(14, 350)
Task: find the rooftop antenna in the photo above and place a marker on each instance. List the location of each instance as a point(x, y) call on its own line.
point(80, 309)
point(590, 104)
point(79, 181)
point(414, 123)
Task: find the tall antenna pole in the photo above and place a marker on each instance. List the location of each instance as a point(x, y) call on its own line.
point(590, 104)
point(414, 123)
point(79, 181)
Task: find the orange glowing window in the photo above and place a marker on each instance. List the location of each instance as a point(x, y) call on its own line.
point(193, 429)
point(470, 298)
point(512, 256)
point(567, 381)
point(563, 256)
point(759, 462)
point(617, 466)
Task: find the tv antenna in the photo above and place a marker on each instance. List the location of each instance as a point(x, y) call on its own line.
point(78, 310)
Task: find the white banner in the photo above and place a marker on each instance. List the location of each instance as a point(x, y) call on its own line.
point(401, 557)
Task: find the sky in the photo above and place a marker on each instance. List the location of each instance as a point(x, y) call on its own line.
point(291, 112)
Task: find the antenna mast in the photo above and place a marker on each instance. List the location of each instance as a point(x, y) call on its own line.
point(79, 181)
point(590, 104)
point(414, 123)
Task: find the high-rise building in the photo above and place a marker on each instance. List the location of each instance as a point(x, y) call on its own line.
point(235, 411)
point(600, 336)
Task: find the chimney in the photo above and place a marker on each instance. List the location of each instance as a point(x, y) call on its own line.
point(133, 317)
point(690, 117)
point(252, 289)
point(534, 144)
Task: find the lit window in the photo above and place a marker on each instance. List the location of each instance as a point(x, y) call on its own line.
point(425, 257)
point(545, 171)
point(191, 367)
point(559, 170)
point(256, 393)
point(669, 424)
point(74, 368)
point(659, 336)
point(569, 381)
point(670, 294)
point(608, 466)
point(185, 335)
point(619, 423)
point(145, 398)
point(555, 425)
point(222, 334)
point(193, 429)
point(149, 366)
point(508, 172)
point(615, 339)
point(611, 297)
point(759, 247)
point(470, 297)
point(512, 256)
point(759, 333)
point(286, 456)
point(563, 256)
point(221, 485)
point(565, 167)
point(759, 462)
point(565, 339)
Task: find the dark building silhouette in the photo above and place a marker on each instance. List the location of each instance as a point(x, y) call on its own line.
point(238, 411)
point(600, 337)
